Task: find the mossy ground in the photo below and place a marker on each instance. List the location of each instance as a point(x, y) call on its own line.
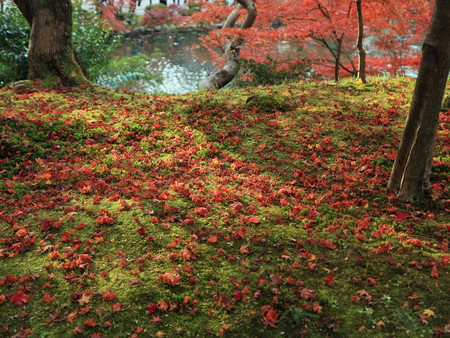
point(228, 210)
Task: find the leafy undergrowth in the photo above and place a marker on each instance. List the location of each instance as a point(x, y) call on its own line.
point(245, 213)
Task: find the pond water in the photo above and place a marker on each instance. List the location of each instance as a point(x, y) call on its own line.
point(181, 67)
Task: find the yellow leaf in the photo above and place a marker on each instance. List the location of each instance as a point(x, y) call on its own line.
point(313, 257)
point(428, 312)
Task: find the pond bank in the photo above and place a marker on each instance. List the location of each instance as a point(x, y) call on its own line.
point(142, 31)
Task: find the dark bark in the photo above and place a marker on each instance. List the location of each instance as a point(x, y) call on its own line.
point(232, 49)
point(410, 176)
point(359, 45)
point(338, 59)
point(50, 53)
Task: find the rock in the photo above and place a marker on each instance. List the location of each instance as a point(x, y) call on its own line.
point(157, 28)
point(137, 31)
point(238, 25)
point(21, 86)
point(219, 25)
point(119, 33)
point(172, 27)
point(165, 28)
point(150, 30)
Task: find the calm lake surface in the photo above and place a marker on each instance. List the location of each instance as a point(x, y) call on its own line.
point(182, 68)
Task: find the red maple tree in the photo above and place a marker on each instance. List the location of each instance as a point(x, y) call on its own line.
point(326, 32)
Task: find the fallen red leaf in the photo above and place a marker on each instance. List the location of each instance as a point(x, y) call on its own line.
point(90, 322)
point(270, 319)
point(434, 272)
point(18, 298)
point(329, 280)
point(156, 320)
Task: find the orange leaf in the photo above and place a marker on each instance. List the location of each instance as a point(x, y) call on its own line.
point(434, 272)
point(243, 249)
point(90, 323)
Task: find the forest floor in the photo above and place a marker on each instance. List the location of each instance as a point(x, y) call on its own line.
point(258, 212)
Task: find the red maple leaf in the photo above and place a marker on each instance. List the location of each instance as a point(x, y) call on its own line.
point(372, 281)
point(19, 298)
point(152, 307)
point(109, 296)
point(270, 319)
point(156, 319)
point(134, 281)
point(90, 323)
point(171, 278)
point(77, 330)
point(329, 280)
point(116, 307)
point(307, 293)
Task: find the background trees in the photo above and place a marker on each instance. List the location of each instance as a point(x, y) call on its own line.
point(326, 31)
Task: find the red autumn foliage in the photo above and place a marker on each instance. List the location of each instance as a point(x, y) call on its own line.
point(18, 298)
point(326, 29)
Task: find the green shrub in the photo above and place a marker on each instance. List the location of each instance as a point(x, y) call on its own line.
point(446, 104)
point(121, 70)
point(92, 41)
point(271, 72)
point(150, 7)
point(14, 34)
point(193, 8)
point(129, 18)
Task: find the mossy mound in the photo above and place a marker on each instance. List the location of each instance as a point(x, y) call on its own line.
point(269, 102)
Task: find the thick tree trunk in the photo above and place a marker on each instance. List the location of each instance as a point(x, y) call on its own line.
point(410, 176)
point(50, 52)
point(361, 52)
point(231, 50)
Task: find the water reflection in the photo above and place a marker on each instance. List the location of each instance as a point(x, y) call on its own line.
point(181, 68)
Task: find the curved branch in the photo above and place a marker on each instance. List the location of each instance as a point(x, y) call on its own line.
point(232, 49)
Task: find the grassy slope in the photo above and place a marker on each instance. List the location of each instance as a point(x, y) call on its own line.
point(232, 215)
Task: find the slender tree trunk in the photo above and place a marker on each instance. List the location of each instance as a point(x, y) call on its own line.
point(410, 176)
point(338, 59)
point(232, 49)
point(359, 45)
point(50, 52)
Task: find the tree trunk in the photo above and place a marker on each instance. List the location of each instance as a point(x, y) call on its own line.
point(410, 176)
point(50, 53)
point(231, 50)
point(338, 58)
point(361, 52)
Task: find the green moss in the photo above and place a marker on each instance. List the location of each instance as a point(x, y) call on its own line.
point(446, 104)
point(266, 201)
